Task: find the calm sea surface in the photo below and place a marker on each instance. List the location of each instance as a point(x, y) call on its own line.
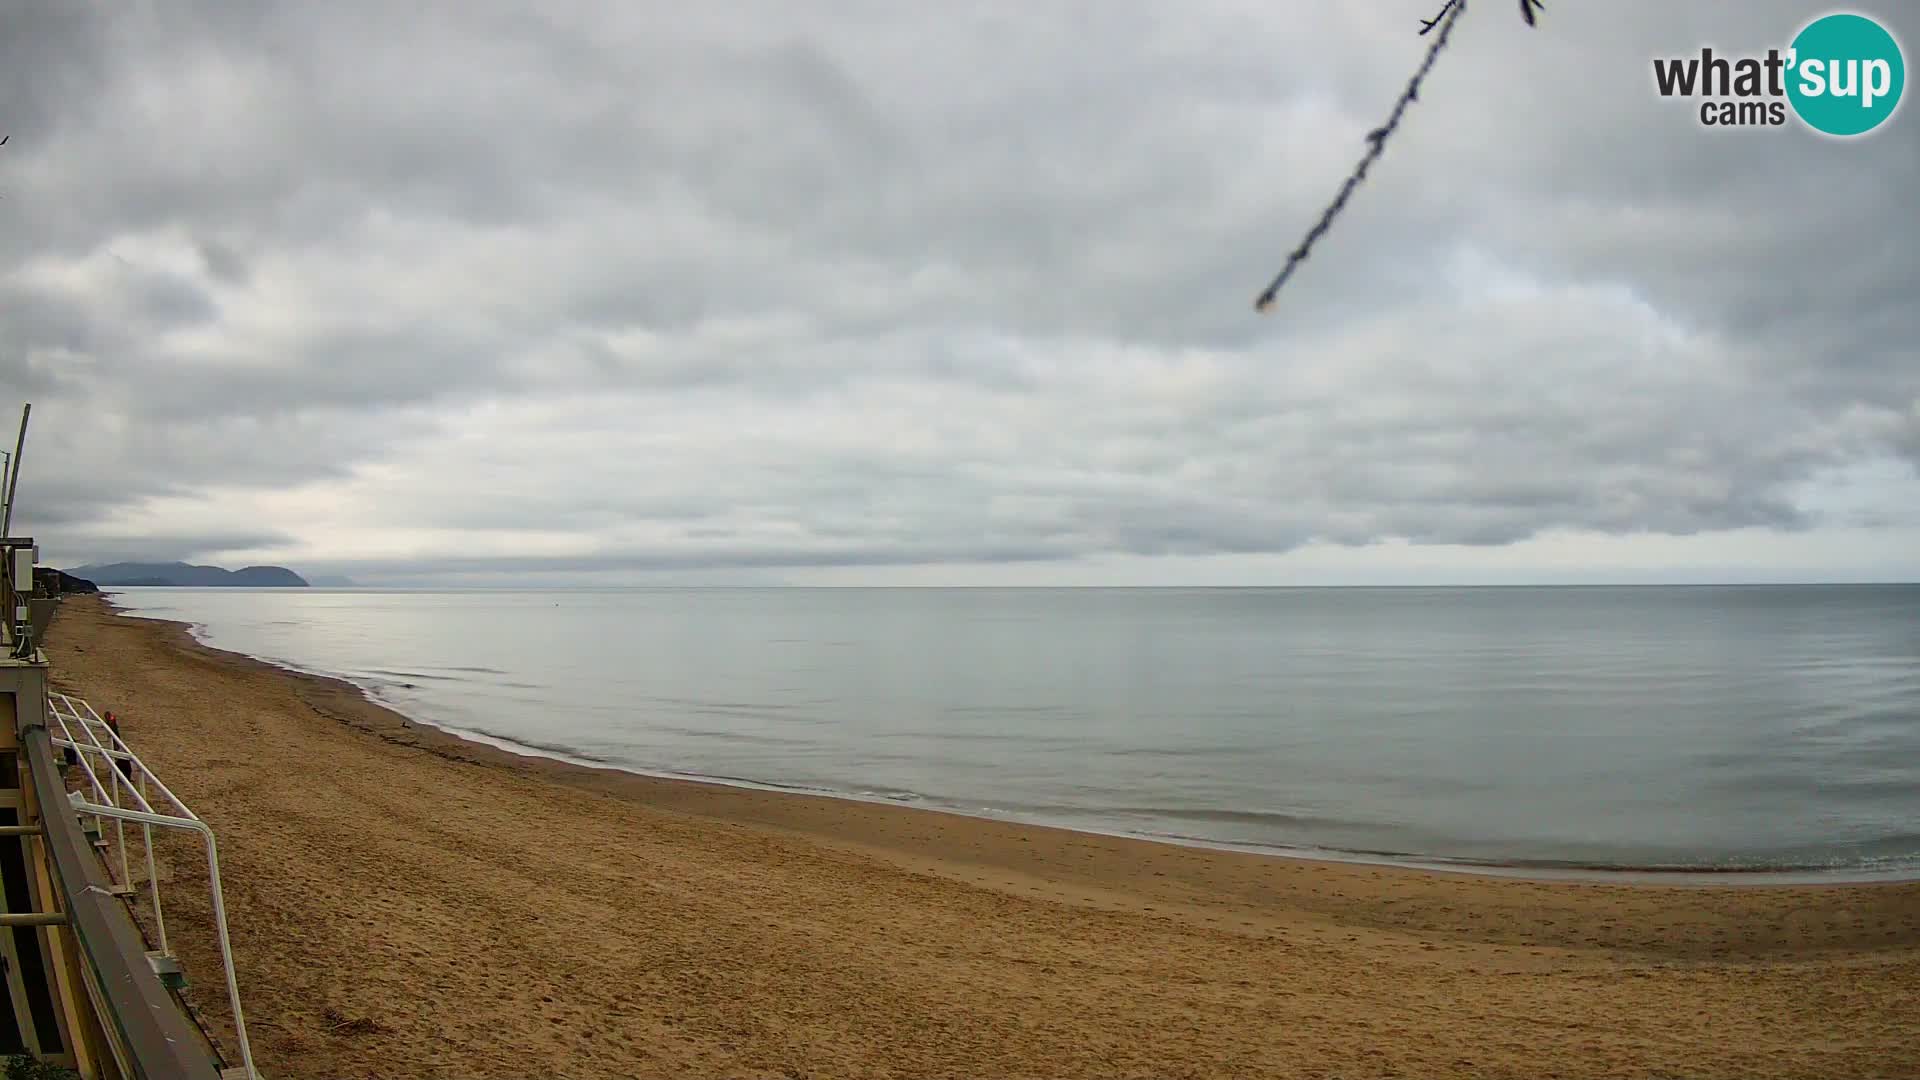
point(1723, 728)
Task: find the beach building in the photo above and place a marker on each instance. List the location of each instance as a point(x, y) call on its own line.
point(91, 985)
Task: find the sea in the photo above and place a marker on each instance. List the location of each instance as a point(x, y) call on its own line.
point(1709, 730)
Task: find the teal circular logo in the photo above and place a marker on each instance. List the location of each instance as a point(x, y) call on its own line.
point(1846, 74)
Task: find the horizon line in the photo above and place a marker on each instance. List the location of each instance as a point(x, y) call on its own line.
point(951, 586)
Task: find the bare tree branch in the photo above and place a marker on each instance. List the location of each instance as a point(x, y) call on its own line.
point(1377, 140)
point(1376, 145)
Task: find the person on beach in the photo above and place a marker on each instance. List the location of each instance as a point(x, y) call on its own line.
point(113, 725)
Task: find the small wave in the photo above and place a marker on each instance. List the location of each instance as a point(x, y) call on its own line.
point(744, 781)
point(411, 675)
point(709, 705)
point(727, 736)
point(1175, 751)
point(892, 796)
point(991, 737)
point(1222, 816)
point(1724, 869)
point(525, 746)
point(1011, 710)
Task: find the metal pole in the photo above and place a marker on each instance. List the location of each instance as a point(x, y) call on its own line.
point(13, 471)
point(33, 918)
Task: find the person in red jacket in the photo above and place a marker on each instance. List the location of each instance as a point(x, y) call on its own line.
point(113, 725)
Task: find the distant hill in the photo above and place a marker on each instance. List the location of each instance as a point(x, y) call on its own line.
point(330, 581)
point(50, 582)
point(181, 574)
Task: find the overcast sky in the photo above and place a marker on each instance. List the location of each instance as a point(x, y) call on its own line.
point(876, 292)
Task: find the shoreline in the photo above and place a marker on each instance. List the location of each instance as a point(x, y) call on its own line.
point(408, 904)
point(1521, 870)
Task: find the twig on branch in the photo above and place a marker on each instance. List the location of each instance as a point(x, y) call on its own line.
point(1526, 12)
point(1428, 24)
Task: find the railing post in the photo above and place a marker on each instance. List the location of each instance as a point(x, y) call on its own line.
point(153, 872)
point(147, 816)
point(156, 1037)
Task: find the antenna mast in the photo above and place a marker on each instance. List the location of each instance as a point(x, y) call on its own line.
point(13, 470)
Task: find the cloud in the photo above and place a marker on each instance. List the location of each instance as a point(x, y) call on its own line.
point(596, 288)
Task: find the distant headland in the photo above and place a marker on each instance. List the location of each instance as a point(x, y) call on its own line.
point(186, 575)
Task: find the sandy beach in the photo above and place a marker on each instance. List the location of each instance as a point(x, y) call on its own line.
point(406, 904)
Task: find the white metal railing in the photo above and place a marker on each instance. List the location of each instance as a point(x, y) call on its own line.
point(129, 779)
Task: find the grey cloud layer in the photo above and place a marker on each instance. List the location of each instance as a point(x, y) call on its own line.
point(775, 284)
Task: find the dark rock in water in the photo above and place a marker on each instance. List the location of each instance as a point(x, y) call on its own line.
point(182, 574)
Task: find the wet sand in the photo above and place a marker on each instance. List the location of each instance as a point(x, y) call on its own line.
point(407, 904)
